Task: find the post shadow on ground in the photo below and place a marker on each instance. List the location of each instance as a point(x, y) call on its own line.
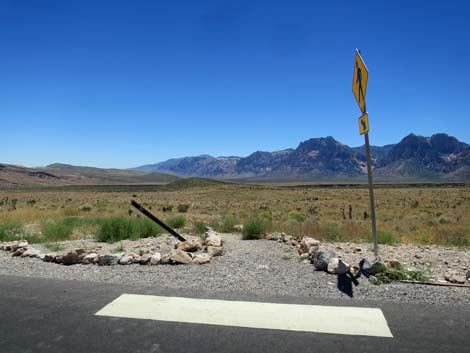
point(346, 281)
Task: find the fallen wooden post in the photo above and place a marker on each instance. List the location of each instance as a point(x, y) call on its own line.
point(156, 220)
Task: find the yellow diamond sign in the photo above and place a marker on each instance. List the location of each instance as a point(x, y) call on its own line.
point(359, 84)
point(364, 124)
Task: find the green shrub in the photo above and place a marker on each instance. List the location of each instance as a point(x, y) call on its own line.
point(176, 222)
point(297, 216)
point(114, 229)
point(459, 240)
point(254, 229)
point(11, 230)
point(183, 208)
point(199, 227)
point(226, 225)
point(385, 238)
point(331, 232)
point(57, 230)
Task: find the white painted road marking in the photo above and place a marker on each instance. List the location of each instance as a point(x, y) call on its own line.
point(292, 317)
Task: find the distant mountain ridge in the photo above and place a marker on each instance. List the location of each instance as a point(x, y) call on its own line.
point(414, 158)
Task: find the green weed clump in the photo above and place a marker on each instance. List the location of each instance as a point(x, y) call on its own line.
point(399, 273)
point(226, 225)
point(183, 208)
point(459, 240)
point(176, 222)
point(386, 238)
point(254, 229)
point(11, 230)
point(114, 229)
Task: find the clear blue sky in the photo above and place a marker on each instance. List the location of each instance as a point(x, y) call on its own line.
point(125, 83)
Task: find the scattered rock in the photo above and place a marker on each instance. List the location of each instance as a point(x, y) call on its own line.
point(91, 258)
point(337, 266)
point(126, 260)
point(357, 249)
point(80, 252)
point(71, 258)
point(213, 239)
point(155, 259)
point(238, 228)
point(19, 251)
point(201, 259)
point(144, 251)
point(394, 263)
point(455, 278)
point(307, 243)
point(22, 243)
point(109, 260)
point(145, 258)
point(273, 236)
point(190, 245)
point(321, 259)
point(304, 256)
point(180, 257)
point(165, 259)
point(372, 267)
point(49, 257)
point(215, 250)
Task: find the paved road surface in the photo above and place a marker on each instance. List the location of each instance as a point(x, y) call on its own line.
point(44, 315)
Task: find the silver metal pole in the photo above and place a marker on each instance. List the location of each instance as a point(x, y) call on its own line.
point(371, 194)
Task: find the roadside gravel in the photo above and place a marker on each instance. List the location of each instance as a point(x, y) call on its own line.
point(263, 267)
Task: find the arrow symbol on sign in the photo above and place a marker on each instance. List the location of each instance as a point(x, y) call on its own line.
point(364, 126)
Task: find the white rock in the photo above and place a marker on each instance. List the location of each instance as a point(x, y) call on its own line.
point(308, 243)
point(201, 259)
point(155, 259)
point(180, 257)
point(213, 239)
point(126, 260)
point(145, 259)
point(336, 266)
point(191, 244)
point(91, 258)
point(215, 250)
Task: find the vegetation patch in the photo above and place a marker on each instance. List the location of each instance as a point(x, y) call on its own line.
point(176, 222)
point(114, 229)
point(390, 274)
point(254, 229)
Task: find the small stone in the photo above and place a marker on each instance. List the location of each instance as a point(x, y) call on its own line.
point(304, 256)
point(238, 228)
point(109, 260)
point(263, 267)
point(91, 258)
point(215, 250)
point(394, 263)
point(126, 260)
point(455, 278)
point(201, 259)
point(155, 259)
point(213, 239)
point(145, 259)
point(273, 236)
point(22, 243)
point(19, 251)
point(144, 251)
point(71, 258)
point(357, 249)
point(165, 259)
point(307, 243)
point(180, 257)
point(49, 257)
point(418, 256)
point(190, 245)
point(80, 251)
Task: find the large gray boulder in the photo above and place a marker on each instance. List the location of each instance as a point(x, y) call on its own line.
point(372, 267)
point(109, 260)
point(321, 259)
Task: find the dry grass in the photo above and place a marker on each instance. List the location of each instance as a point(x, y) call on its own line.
point(411, 215)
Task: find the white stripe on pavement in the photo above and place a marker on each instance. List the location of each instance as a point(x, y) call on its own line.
point(292, 317)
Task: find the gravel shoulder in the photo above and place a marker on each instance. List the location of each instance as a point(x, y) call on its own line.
point(262, 267)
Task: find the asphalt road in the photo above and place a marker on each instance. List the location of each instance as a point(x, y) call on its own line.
point(44, 315)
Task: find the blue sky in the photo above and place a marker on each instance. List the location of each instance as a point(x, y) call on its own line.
point(125, 83)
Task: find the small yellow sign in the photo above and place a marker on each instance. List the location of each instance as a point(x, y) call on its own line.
point(359, 84)
point(364, 124)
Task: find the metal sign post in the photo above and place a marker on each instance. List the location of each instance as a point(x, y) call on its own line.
point(359, 88)
point(156, 220)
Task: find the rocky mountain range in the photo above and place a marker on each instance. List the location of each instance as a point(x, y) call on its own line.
point(414, 158)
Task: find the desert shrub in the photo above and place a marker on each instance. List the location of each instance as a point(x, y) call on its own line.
point(297, 216)
point(167, 208)
point(385, 238)
point(199, 227)
point(226, 225)
point(183, 208)
point(85, 208)
point(331, 232)
point(56, 230)
point(69, 211)
point(176, 222)
point(113, 229)
point(266, 214)
point(11, 230)
point(254, 229)
point(459, 240)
